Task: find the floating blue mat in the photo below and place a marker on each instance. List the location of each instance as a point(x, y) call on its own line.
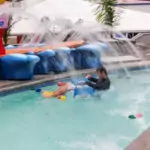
point(83, 91)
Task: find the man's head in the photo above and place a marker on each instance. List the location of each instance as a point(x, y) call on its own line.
point(102, 72)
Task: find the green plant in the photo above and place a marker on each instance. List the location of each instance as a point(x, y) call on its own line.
point(6, 34)
point(105, 11)
point(7, 31)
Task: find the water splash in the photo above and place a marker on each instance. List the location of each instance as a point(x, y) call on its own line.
point(94, 144)
point(58, 30)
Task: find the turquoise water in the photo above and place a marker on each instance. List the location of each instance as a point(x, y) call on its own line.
point(29, 122)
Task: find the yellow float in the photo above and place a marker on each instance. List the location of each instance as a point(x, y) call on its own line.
point(63, 98)
point(47, 94)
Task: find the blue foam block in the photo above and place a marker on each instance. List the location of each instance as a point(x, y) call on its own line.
point(87, 56)
point(18, 66)
point(76, 58)
point(61, 61)
point(44, 66)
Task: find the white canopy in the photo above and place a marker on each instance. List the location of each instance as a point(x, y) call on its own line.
point(130, 21)
point(133, 21)
point(25, 26)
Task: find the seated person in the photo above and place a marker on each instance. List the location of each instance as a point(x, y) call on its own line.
point(102, 83)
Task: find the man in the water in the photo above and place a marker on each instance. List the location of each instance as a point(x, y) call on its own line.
point(100, 83)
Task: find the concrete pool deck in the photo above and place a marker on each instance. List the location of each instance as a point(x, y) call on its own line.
point(142, 142)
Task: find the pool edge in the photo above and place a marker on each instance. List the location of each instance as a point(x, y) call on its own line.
point(47, 79)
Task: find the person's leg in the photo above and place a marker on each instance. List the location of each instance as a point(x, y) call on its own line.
point(62, 90)
point(61, 83)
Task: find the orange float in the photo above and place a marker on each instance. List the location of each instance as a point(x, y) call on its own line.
point(71, 44)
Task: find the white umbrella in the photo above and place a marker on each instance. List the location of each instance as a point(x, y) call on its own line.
point(133, 21)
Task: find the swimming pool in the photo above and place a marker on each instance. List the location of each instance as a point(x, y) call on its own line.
point(29, 122)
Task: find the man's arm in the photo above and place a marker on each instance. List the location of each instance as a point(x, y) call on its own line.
point(92, 79)
point(99, 85)
point(93, 85)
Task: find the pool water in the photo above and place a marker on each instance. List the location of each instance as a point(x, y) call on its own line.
point(30, 122)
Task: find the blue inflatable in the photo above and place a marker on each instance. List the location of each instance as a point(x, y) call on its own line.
point(85, 90)
point(61, 61)
point(31, 53)
point(10, 47)
point(18, 66)
point(87, 56)
point(76, 58)
point(71, 59)
point(44, 66)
